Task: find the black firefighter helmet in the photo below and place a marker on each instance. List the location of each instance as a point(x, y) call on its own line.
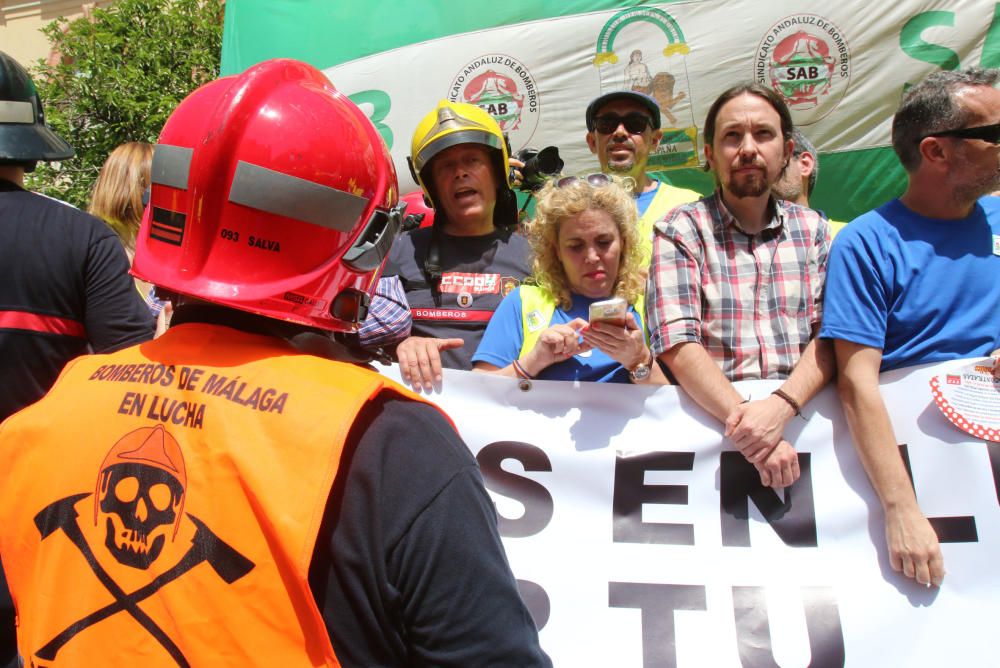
point(24, 136)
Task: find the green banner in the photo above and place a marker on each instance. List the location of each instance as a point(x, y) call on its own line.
point(325, 33)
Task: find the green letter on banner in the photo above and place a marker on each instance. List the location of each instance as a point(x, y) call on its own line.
point(381, 103)
point(915, 46)
point(991, 47)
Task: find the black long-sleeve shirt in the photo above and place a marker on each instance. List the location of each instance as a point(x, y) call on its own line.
point(64, 291)
point(409, 569)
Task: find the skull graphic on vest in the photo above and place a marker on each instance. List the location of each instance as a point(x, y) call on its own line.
point(140, 495)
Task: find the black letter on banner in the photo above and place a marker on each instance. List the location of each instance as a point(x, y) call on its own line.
point(794, 520)
point(631, 492)
point(536, 499)
point(657, 603)
point(537, 600)
point(753, 632)
point(959, 529)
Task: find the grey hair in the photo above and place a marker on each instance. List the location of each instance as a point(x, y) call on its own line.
point(930, 106)
point(803, 145)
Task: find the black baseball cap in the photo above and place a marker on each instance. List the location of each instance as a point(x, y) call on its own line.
point(639, 98)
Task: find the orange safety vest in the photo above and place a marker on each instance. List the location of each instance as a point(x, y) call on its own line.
point(160, 505)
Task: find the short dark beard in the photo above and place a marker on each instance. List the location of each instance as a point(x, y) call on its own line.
point(754, 188)
point(969, 193)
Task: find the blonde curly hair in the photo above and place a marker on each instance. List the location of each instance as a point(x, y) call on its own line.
point(556, 204)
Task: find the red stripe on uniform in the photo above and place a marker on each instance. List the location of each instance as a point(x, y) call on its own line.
point(451, 314)
point(48, 324)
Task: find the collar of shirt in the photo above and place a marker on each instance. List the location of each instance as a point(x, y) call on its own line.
point(722, 217)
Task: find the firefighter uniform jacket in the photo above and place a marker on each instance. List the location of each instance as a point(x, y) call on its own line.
point(65, 288)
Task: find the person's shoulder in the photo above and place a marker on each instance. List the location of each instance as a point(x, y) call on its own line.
point(514, 240)
point(516, 252)
point(418, 237)
point(677, 195)
point(689, 218)
point(835, 227)
point(57, 209)
point(808, 216)
point(873, 225)
point(812, 222)
point(991, 205)
point(702, 204)
point(518, 293)
point(54, 204)
point(870, 236)
point(412, 438)
point(406, 251)
point(511, 305)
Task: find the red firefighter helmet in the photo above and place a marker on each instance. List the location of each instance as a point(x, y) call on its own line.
point(271, 192)
point(416, 204)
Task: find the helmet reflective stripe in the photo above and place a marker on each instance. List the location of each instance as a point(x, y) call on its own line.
point(171, 166)
point(454, 139)
point(451, 124)
point(16, 112)
point(24, 137)
point(287, 214)
point(285, 195)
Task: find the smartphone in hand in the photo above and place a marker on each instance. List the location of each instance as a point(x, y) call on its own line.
point(612, 310)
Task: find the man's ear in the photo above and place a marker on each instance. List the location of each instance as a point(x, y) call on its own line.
point(807, 163)
point(592, 142)
point(709, 158)
point(657, 136)
point(935, 151)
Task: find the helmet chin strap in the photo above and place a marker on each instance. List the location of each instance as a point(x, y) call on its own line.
point(341, 346)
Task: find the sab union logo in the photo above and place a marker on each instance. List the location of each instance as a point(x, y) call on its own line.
point(502, 86)
point(806, 60)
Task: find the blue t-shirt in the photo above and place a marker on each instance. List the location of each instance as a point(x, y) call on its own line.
point(921, 289)
point(643, 201)
point(504, 337)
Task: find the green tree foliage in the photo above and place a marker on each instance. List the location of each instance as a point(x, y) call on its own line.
point(123, 71)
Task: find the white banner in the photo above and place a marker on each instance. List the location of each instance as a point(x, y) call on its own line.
point(641, 538)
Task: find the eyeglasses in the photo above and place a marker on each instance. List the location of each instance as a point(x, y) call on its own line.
point(595, 180)
point(988, 133)
point(634, 122)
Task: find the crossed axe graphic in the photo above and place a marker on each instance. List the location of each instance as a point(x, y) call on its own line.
point(228, 564)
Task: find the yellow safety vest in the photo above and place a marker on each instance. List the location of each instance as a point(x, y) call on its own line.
point(537, 308)
point(835, 227)
point(667, 197)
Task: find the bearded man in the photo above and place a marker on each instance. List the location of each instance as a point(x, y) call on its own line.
point(736, 284)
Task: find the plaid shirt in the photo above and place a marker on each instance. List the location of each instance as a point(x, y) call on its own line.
point(389, 318)
point(752, 300)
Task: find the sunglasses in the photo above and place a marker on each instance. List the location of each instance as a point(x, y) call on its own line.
point(988, 133)
point(635, 123)
point(596, 180)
